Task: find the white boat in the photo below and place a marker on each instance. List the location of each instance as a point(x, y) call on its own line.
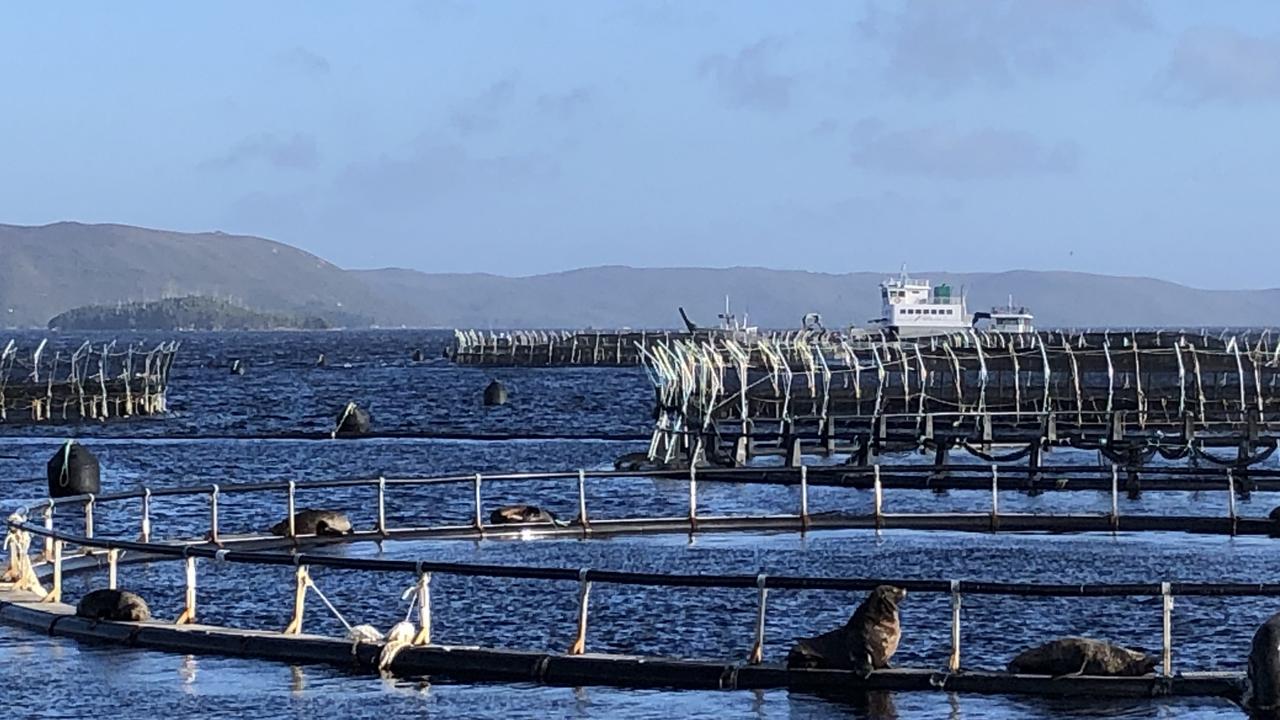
point(915, 308)
point(1011, 319)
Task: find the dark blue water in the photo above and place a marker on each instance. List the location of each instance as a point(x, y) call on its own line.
point(284, 391)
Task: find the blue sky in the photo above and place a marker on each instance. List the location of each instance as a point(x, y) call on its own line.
point(1110, 136)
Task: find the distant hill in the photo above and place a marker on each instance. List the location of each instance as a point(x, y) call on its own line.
point(185, 313)
point(47, 270)
point(648, 297)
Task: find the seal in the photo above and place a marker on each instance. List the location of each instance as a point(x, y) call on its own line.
point(118, 605)
point(515, 514)
point(1082, 656)
point(1262, 682)
point(315, 522)
point(863, 644)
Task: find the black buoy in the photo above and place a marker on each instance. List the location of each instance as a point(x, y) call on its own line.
point(495, 394)
point(74, 470)
point(417, 356)
point(353, 420)
point(237, 367)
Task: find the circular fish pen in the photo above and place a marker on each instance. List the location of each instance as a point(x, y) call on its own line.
point(297, 574)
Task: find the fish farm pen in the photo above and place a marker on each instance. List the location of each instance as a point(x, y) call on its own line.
point(51, 540)
point(1129, 395)
point(92, 382)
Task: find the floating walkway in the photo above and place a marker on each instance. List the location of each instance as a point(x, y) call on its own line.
point(41, 556)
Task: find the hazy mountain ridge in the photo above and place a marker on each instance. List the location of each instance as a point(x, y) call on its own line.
point(49, 269)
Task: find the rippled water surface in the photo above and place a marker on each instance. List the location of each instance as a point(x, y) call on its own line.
point(285, 392)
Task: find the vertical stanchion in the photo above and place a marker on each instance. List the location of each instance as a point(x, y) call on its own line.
point(55, 589)
point(584, 596)
point(289, 510)
point(213, 515)
point(302, 577)
point(88, 518)
point(1167, 629)
point(582, 500)
point(1231, 499)
point(953, 663)
point(995, 497)
point(113, 562)
point(878, 492)
point(757, 649)
point(804, 498)
point(1115, 498)
point(48, 526)
point(189, 611)
point(146, 515)
point(479, 519)
point(382, 506)
point(424, 609)
point(693, 496)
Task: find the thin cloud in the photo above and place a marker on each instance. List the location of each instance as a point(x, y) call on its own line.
point(306, 61)
point(746, 78)
point(959, 154)
point(1222, 65)
point(483, 112)
point(293, 152)
point(939, 45)
point(566, 104)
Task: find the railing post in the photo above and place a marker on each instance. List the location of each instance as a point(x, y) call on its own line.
point(479, 519)
point(424, 609)
point(48, 526)
point(146, 515)
point(1166, 655)
point(804, 498)
point(290, 509)
point(189, 611)
point(88, 518)
point(213, 515)
point(55, 589)
point(953, 663)
point(1231, 499)
point(113, 561)
point(582, 500)
point(1115, 498)
point(878, 495)
point(302, 578)
point(995, 497)
point(693, 496)
point(579, 645)
point(757, 650)
point(382, 506)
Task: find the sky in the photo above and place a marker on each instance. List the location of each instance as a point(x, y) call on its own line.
point(1109, 136)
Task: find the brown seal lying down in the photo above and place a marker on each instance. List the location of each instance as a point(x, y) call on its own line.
point(315, 522)
point(863, 644)
point(513, 514)
point(1082, 656)
point(113, 605)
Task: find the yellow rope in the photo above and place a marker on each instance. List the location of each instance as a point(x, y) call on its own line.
point(20, 572)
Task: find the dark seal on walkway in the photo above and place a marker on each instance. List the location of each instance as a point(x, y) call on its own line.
point(73, 471)
point(863, 644)
point(495, 394)
point(1262, 683)
point(315, 522)
point(1082, 656)
point(119, 605)
point(513, 514)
